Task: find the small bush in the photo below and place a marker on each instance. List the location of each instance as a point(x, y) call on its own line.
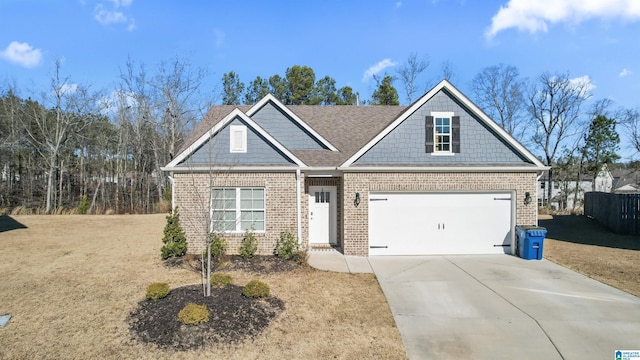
point(218, 245)
point(175, 240)
point(256, 289)
point(220, 279)
point(287, 246)
point(157, 291)
point(84, 205)
point(249, 244)
point(303, 257)
point(194, 314)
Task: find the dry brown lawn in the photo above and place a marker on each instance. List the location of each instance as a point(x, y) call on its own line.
point(70, 282)
point(582, 244)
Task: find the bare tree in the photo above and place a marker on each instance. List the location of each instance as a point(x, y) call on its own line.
point(51, 127)
point(554, 102)
point(630, 120)
point(447, 71)
point(409, 71)
point(499, 92)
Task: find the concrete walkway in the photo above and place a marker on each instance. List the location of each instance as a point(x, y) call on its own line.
point(498, 307)
point(332, 260)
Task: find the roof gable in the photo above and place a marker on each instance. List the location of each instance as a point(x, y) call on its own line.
point(255, 129)
point(515, 152)
point(283, 124)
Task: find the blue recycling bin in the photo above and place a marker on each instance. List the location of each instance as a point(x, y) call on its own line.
point(531, 241)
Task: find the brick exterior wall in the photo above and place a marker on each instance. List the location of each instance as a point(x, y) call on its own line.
point(356, 225)
point(193, 192)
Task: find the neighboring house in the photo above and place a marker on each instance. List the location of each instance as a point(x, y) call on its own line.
point(564, 192)
point(626, 181)
point(436, 177)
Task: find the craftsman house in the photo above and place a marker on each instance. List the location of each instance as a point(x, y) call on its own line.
point(436, 177)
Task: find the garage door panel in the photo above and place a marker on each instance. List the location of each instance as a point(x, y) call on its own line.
point(444, 223)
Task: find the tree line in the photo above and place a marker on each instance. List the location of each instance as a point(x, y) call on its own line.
point(71, 148)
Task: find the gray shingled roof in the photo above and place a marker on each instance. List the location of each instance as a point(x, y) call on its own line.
point(348, 128)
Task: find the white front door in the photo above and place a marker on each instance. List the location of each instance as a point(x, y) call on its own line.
point(322, 215)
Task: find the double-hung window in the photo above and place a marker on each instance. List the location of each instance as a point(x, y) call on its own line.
point(442, 133)
point(237, 209)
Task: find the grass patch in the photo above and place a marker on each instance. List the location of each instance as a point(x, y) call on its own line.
point(75, 281)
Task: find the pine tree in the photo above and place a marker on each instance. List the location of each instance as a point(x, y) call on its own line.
point(174, 238)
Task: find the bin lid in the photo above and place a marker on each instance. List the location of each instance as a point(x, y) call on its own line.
point(537, 232)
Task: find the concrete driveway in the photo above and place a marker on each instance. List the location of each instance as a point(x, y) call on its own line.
point(503, 307)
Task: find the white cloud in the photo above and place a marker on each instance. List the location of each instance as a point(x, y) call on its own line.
point(68, 89)
point(22, 53)
point(625, 72)
point(218, 37)
point(114, 14)
point(585, 83)
point(398, 4)
point(377, 68)
point(535, 16)
point(117, 99)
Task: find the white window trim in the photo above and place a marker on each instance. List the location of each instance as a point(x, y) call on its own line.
point(442, 114)
point(238, 209)
point(235, 147)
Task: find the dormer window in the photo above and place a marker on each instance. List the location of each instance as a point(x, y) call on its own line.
point(238, 139)
point(442, 133)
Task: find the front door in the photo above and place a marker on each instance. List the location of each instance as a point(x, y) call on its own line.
point(322, 215)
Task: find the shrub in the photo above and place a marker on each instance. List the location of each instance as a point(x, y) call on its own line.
point(287, 246)
point(84, 205)
point(175, 240)
point(220, 279)
point(256, 289)
point(157, 291)
point(194, 314)
point(218, 245)
point(249, 244)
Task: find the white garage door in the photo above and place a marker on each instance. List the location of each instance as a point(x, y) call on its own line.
point(440, 223)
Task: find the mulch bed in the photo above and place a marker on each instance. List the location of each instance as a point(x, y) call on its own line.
point(234, 318)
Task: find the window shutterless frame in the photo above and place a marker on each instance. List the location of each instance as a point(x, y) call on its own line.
point(235, 209)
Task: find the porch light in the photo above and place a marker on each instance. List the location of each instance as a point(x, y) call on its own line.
point(356, 202)
point(527, 198)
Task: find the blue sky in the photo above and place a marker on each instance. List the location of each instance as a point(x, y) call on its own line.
point(343, 39)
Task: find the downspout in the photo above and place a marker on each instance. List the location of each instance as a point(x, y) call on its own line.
point(173, 194)
point(298, 207)
point(536, 203)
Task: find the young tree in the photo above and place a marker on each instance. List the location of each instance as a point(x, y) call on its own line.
point(499, 92)
point(409, 71)
point(232, 89)
point(601, 145)
point(554, 102)
point(257, 89)
point(385, 94)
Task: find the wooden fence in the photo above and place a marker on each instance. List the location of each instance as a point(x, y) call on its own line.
point(618, 212)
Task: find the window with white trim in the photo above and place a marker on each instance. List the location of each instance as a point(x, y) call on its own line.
point(442, 130)
point(237, 209)
point(238, 139)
